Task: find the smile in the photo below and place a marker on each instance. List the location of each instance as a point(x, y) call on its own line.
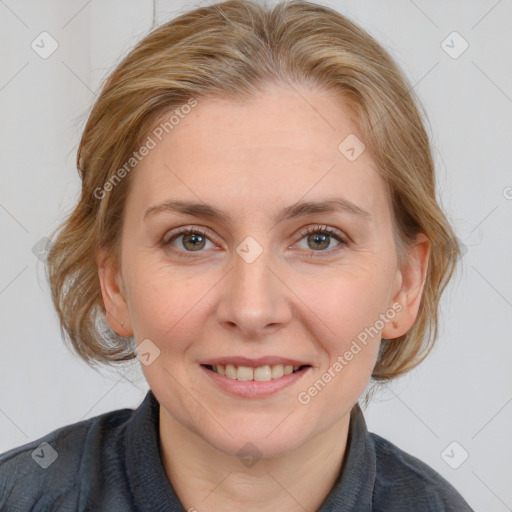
point(259, 374)
point(254, 377)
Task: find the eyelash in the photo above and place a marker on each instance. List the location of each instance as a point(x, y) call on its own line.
point(318, 229)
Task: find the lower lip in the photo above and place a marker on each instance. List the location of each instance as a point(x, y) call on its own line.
point(254, 388)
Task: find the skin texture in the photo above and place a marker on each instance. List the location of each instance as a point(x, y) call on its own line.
point(295, 300)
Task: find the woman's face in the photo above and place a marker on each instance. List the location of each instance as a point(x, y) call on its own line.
point(252, 291)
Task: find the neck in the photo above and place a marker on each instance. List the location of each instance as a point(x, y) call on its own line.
point(206, 479)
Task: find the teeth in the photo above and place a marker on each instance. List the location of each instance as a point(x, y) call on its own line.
point(230, 371)
point(245, 373)
point(260, 374)
point(277, 371)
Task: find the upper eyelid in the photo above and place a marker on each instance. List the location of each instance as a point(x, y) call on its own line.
point(183, 230)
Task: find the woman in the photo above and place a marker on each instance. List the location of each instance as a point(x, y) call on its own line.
point(258, 225)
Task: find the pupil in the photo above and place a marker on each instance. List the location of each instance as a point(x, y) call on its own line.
point(320, 238)
point(193, 238)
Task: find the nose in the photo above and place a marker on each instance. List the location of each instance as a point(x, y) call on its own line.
point(255, 300)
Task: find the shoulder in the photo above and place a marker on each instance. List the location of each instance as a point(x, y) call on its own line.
point(50, 471)
point(418, 485)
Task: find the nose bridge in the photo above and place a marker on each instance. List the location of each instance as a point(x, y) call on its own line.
point(254, 299)
point(251, 274)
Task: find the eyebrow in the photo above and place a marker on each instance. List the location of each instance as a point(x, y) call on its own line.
point(298, 209)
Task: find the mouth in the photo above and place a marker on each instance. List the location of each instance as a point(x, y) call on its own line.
point(259, 373)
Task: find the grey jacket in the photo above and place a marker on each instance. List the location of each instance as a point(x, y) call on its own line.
point(111, 463)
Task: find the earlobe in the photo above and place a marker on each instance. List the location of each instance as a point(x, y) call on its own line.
point(412, 279)
point(112, 291)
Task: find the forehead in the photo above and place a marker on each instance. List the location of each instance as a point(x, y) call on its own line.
point(279, 147)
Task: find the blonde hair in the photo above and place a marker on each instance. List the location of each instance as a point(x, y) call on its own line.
point(233, 50)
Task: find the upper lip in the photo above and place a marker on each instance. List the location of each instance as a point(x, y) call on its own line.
point(254, 363)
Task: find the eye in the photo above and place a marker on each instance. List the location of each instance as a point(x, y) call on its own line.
point(320, 237)
point(193, 240)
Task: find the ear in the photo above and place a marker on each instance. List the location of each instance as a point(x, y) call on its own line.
point(112, 291)
point(411, 281)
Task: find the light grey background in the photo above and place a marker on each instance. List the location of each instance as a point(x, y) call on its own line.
point(462, 393)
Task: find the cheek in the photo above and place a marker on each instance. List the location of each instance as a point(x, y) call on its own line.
point(350, 302)
point(166, 304)
point(347, 318)
point(349, 344)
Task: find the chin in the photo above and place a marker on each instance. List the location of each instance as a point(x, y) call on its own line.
point(249, 448)
point(264, 437)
